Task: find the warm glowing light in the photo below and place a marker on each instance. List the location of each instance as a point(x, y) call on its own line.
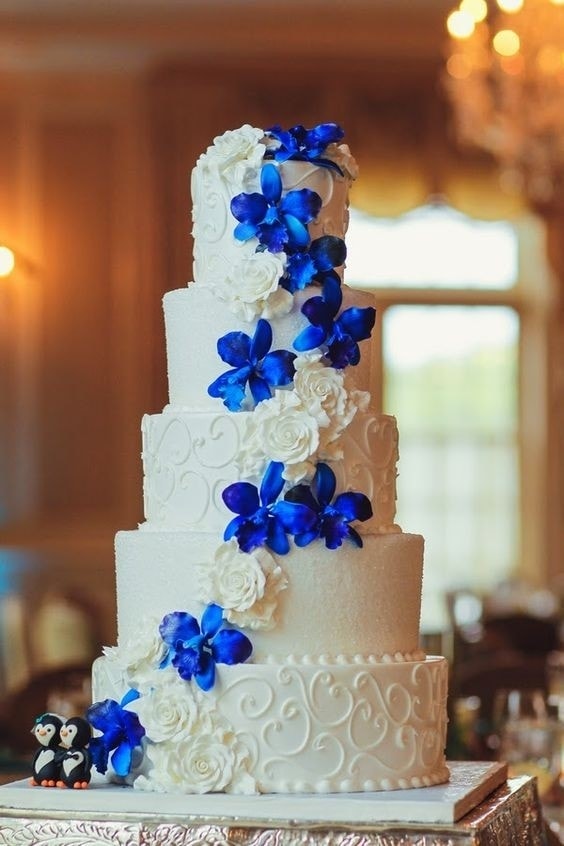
point(7, 261)
point(460, 24)
point(477, 9)
point(512, 65)
point(506, 42)
point(550, 59)
point(510, 5)
point(458, 66)
point(505, 77)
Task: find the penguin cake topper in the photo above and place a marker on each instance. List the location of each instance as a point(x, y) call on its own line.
point(45, 766)
point(74, 757)
point(62, 758)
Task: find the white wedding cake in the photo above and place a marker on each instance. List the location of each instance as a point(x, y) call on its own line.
point(268, 607)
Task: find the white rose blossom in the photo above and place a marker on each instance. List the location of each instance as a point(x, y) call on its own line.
point(251, 289)
point(246, 585)
point(141, 654)
point(280, 429)
point(324, 393)
point(169, 709)
point(200, 763)
point(237, 154)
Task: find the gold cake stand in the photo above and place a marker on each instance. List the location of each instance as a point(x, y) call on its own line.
point(509, 816)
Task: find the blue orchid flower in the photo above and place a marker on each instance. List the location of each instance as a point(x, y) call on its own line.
point(262, 520)
point(194, 651)
point(253, 363)
point(340, 336)
point(307, 145)
point(279, 223)
point(333, 518)
point(303, 268)
point(121, 733)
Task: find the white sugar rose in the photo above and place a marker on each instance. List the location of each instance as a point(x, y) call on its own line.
point(246, 585)
point(251, 286)
point(170, 708)
point(140, 655)
point(237, 154)
point(202, 763)
point(320, 388)
point(280, 429)
point(278, 303)
point(323, 391)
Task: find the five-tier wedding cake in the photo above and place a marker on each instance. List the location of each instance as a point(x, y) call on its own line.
point(268, 607)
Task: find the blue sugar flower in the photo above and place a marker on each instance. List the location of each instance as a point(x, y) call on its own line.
point(195, 651)
point(333, 519)
point(306, 145)
point(121, 733)
point(303, 268)
point(251, 363)
point(262, 520)
point(340, 335)
point(279, 223)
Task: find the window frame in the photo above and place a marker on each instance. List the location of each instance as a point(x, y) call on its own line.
point(530, 298)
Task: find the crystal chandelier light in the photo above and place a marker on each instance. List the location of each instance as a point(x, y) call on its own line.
point(505, 79)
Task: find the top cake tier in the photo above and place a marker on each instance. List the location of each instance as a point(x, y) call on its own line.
point(233, 166)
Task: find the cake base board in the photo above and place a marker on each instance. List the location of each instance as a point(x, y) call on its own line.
point(469, 784)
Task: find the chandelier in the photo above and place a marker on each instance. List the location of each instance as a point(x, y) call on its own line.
point(505, 80)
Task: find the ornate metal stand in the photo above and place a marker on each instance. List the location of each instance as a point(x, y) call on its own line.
point(510, 816)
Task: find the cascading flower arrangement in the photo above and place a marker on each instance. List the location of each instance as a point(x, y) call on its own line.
point(299, 406)
point(278, 222)
point(190, 651)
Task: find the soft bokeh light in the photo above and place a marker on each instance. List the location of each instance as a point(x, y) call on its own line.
point(510, 5)
point(506, 42)
point(478, 9)
point(458, 66)
point(7, 261)
point(460, 24)
point(550, 59)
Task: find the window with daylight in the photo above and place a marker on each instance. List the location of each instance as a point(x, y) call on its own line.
point(447, 355)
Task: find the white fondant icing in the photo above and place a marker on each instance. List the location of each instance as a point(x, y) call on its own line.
point(195, 318)
point(303, 728)
point(189, 459)
point(355, 601)
point(337, 695)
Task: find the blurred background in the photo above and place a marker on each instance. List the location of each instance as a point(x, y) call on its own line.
point(456, 224)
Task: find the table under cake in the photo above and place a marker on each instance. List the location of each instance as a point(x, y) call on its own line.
point(479, 806)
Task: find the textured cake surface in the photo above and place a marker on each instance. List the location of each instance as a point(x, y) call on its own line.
point(269, 604)
point(310, 728)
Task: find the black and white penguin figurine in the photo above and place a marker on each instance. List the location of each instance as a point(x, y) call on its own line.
point(45, 766)
point(73, 757)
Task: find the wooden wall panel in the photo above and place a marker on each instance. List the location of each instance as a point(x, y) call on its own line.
point(9, 218)
point(75, 379)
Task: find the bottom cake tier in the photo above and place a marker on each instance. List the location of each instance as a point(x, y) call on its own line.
point(291, 728)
